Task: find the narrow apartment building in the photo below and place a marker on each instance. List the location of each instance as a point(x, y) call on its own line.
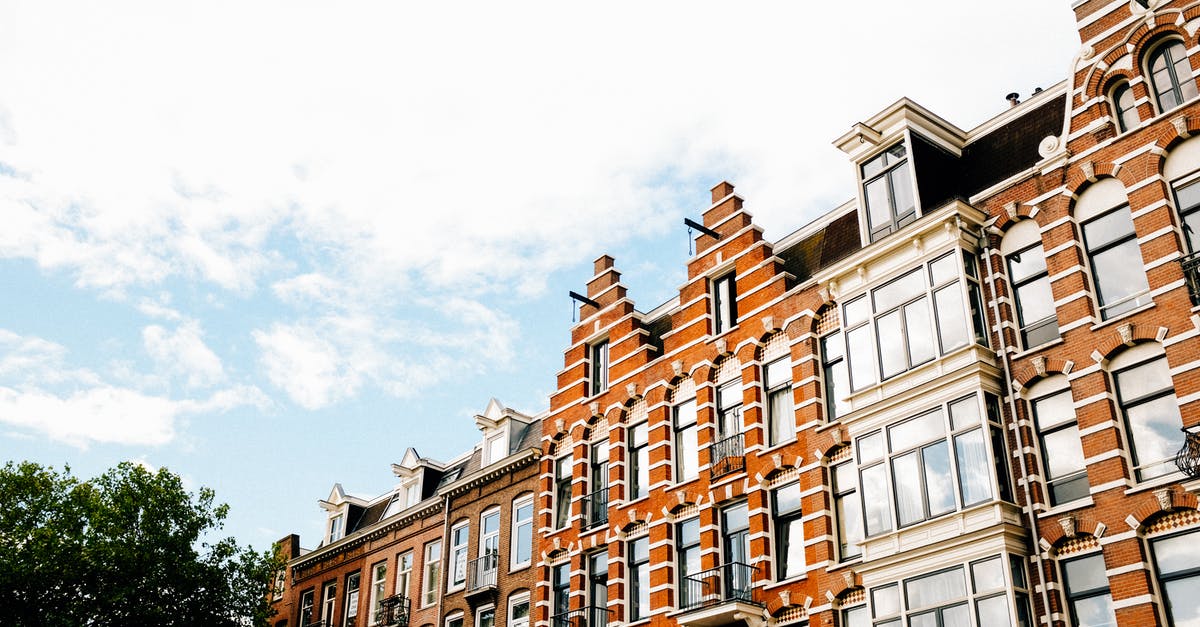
point(967, 396)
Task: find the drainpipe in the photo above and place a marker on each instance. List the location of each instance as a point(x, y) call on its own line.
point(1012, 408)
point(445, 558)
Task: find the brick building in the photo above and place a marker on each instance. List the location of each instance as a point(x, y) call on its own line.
point(452, 543)
point(956, 399)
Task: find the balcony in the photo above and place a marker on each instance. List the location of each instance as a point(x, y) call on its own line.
point(582, 617)
point(595, 508)
point(481, 574)
point(728, 456)
point(720, 596)
point(1191, 272)
point(395, 611)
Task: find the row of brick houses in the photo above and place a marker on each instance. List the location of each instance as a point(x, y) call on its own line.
point(963, 397)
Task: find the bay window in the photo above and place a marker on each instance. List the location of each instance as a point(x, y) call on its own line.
point(966, 595)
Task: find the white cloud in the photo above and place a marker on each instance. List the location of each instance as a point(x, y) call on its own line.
point(184, 353)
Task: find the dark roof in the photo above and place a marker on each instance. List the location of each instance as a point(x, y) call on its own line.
point(369, 515)
point(838, 240)
point(1010, 148)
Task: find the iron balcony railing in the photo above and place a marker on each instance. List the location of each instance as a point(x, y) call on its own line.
point(395, 610)
point(481, 572)
point(1191, 272)
point(582, 617)
point(728, 456)
point(728, 583)
point(595, 508)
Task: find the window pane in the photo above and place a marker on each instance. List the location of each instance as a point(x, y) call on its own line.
point(1177, 553)
point(685, 413)
point(902, 190)
point(920, 332)
point(1034, 301)
point(1026, 263)
point(787, 499)
point(1063, 452)
point(1055, 410)
point(857, 311)
point(1183, 601)
point(870, 447)
point(783, 419)
point(688, 454)
point(914, 431)
point(935, 589)
point(1085, 574)
point(879, 206)
point(778, 372)
point(906, 476)
point(891, 350)
point(1148, 378)
point(957, 616)
point(1095, 611)
point(1108, 228)
point(964, 412)
point(862, 366)
point(987, 575)
point(1155, 429)
point(885, 601)
point(791, 549)
point(939, 483)
point(876, 500)
point(1117, 280)
point(973, 463)
point(951, 317)
point(900, 291)
point(943, 269)
point(849, 524)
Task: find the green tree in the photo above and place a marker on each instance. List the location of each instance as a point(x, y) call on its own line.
point(131, 547)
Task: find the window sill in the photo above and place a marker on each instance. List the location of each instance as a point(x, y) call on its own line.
point(623, 503)
point(1040, 347)
point(722, 334)
point(854, 561)
point(1069, 506)
point(516, 568)
point(1157, 482)
point(790, 580)
point(1132, 312)
point(785, 443)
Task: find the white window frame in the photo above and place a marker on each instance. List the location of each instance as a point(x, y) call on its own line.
point(514, 537)
point(352, 597)
point(598, 362)
point(500, 438)
point(431, 573)
point(336, 527)
point(458, 556)
point(479, 614)
point(328, 602)
point(514, 601)
point(457, 615)
point(725, 311)
point(378, 591)
point(404, 574)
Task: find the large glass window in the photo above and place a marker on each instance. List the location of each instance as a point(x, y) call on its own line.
point(432, 573)
point(306, 608)
point(837, 377)
point(1124, 107)
point(562, 491)
point(560, 589)
point(459, 535)
point(1177, 560)
point(1147, 399)
point(781, 418)
point(888, 191)
point(521, 551)
point(639, 578)
point(908, 321)
point(724, 304)
point(687, 454)
point(1187, 199)
point(1111, 246)
point(329, 602)
point(404, 564)
point(639, 461)
point(1030, 282)
point(972, 596)
point(1062, 451)
point(378, 587)
point(1171, 75)
point(1087, 592)
point(936, 462)
point(351, 599)
point(789, 531)
point(596, 503)
point(687, 551)
point(848, 510)
point(599, 361)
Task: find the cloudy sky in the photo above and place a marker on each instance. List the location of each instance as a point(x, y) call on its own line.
point(270, 245)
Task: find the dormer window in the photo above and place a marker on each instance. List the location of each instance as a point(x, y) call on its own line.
point(599, 362)
point(1124, 108)
point(335, 528)
point(497, 448)
point(888, 192)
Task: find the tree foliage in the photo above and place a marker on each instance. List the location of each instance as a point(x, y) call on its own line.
point(131, 547)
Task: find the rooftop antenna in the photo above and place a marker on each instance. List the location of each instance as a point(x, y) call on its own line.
point(692, 224)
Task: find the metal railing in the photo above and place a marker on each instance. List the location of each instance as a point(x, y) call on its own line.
point(595, 508)
point(1191, 272)
point(728, 455)
point(395, 610)
point(725, 584)
point(583, 617)
point(481, 572)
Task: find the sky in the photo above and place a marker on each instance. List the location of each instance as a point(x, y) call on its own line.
point(271, 245)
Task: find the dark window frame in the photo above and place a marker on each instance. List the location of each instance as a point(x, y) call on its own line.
point(725, 311)
point(598, 367)
point(1187, 573)
point(634, 488)
point(1091, 254)
point(890, 169)
point(1176, 89)
point(1116, 94)
point(781, 521)
point(1025, 329)
point(635, 579)
point(1125, 404)
point(1042, 434)
point(1071, 597)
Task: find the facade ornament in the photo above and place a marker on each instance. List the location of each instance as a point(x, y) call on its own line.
point(1089, 170)
point(594, 407)
point(1049, 146)
point(768, 323)
point(631, 389)
point(1039, 365)
point(677, 367)
point(1068, 526)
point(1011, 210)
point(777, 459)
point(1126, 333)
point(721, 346)
point(559, 425)
point(1164, 498)
point(1180, 124)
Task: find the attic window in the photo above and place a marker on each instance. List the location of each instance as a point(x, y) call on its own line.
point(888, 192)
point(450, 477)
point(335, 528)
point(496, 449)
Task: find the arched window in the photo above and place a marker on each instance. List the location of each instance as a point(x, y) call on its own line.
point(1124, 108)
point(1102, 212)
point(1030, 283)
point(1146, 396)
point(1171, 75)
point(1182, 168)
point(1054, 414)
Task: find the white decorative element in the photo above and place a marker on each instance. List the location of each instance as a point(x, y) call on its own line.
point(1039, 365)
point(833, 289)
point(785, 598)
point(862, 273)
point(1089, 170)
point(848, 577)
point(1048, 146)
point(631, 389)
point(1164, 498)
point(1011, 210)
point(594, 407)
point(1180, 124)
point(1100, 529)
point(1132, 522)
point(1086, 53)
point(677, 367)
point(768, 323)
point(838, 436)
point(918, 245)
point(680, 496)
point(1068, 367)
point(721, 345)
point(1068, 526)
point(1196, 321)
point(557, 543)
point(1126, 333)
point(559, 425)
point(1161, 334)
point(824, 294)
point(1033, 211)
point(596, 327)
point(1097, 357)
point(1116, 169)
point(777, 459)
point(728, 491)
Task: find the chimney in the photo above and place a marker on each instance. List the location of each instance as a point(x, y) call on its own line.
point(1014, 99)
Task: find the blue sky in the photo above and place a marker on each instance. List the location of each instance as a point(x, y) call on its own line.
point(270, 245)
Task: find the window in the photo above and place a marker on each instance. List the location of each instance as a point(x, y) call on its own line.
point(1171, 75)
point(724, 304)
point(521, 551)
point(1147, 400)
point(487, 565)
point(597, 588)
point(485, 617)
point(335, 528)
point(1177, 561)
point(1111, 247)
point(735, 540)
point(560, 589)
point(639, 461)
point(789, 531)
point(726, 453)
point(1062, 451)
point(848, 510)
point(1124, 108)
point(781, 419)
point(459, 536)
point(858, 616)
point(599, 360)
point(378, 585)
point(1187, 199)
point(937, 462)
point(888, 192)
point(1087, 592)
point(596, 503)
point(639, 578)
point(404, 565)
point(687, 455)
point(562, 491)
point(687, 551)
point(497, 448)
point(328, 602)
point(455, 620)
point(1030, 284)
point(351, 599)
point(837, 377)
point(306, 609)
point(518, 610)
point(433, 572)
point(975, 595)
point(910, 321)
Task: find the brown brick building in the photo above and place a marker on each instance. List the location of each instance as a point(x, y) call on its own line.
point(452, 543)
point(954, 400)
